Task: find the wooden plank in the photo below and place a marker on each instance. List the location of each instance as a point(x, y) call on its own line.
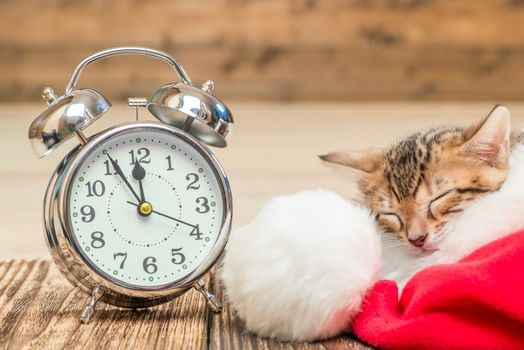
point(39, 309)
point(188, 23)
point(227, 332)
point(368, 75)
point(273, 50)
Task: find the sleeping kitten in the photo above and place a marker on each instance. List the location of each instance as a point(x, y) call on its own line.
point(417, 186)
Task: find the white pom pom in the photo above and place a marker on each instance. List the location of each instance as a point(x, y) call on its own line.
point(300, 269)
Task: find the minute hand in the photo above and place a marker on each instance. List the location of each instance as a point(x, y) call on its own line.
point(167, 216)
point(121, 174)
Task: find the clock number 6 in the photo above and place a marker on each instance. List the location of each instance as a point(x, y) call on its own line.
point(178, 258)
point(149, 265)
point(204, 206)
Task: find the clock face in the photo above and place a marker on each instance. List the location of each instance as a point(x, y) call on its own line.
point(145, 208)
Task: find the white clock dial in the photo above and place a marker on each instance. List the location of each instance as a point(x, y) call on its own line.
point(151, 219)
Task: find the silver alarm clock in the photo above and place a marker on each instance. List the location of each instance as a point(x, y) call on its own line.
point(137, 214)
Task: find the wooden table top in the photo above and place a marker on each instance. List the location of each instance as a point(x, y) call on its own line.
point(39, 309)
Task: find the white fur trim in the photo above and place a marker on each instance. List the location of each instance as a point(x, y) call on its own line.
point(300, 269)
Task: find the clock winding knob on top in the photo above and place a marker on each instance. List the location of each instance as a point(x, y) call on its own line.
point(48, 94)
point(208, 86)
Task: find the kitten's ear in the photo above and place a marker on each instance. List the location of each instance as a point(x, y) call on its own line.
point(489, 140)
point(367, 161)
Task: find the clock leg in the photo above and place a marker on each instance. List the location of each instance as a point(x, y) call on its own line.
point(212, 301)
point(88, 310)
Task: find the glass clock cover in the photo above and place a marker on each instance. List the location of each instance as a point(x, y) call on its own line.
point(145, 208)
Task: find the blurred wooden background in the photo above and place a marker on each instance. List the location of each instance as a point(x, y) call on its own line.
point(272, 49)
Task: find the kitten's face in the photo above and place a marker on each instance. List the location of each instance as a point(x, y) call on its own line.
point(425, 181)
point(420, 184)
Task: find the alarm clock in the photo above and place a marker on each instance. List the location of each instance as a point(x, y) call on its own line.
point(137, 214)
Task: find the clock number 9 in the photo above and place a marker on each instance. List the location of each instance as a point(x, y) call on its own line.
point(204, 206)
point(149, 265)
point(88, 213)
point(178, 258)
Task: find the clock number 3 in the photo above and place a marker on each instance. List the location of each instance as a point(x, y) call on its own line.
point(204, 206)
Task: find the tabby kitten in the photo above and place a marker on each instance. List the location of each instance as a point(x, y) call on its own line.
point(415, 187)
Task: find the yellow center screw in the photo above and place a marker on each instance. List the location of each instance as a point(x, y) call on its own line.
point(145, 208)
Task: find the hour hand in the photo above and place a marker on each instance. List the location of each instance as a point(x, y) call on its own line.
point(139, 173)
point(167, 216)
point(121, 174)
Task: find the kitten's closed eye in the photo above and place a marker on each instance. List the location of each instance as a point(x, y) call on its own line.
point(449, 202)
point(390, 221)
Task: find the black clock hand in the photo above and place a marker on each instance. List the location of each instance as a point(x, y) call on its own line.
point(167, 216)
point(138, 174)
point(121, 174)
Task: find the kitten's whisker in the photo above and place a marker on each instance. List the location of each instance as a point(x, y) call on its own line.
point(381, 190)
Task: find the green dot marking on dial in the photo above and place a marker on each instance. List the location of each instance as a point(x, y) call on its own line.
point(173, 147)
point(207, 239)
point(213, 204)
point(81, 178)
point(151, 279)
point(104, 151)
point(75, 215)
point(200, 170)
point(138, 140)
point(115, 272)
point(88, 249)
point(184, 266)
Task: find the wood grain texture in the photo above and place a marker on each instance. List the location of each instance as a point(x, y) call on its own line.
point(39, 310)
point(272, 49)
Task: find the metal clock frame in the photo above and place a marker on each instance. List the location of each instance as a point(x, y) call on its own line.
point(80, 272)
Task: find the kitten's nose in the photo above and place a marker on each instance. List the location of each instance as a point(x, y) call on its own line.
point(419, 240)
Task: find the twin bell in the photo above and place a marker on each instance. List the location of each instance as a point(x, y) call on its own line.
point(192, 109)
